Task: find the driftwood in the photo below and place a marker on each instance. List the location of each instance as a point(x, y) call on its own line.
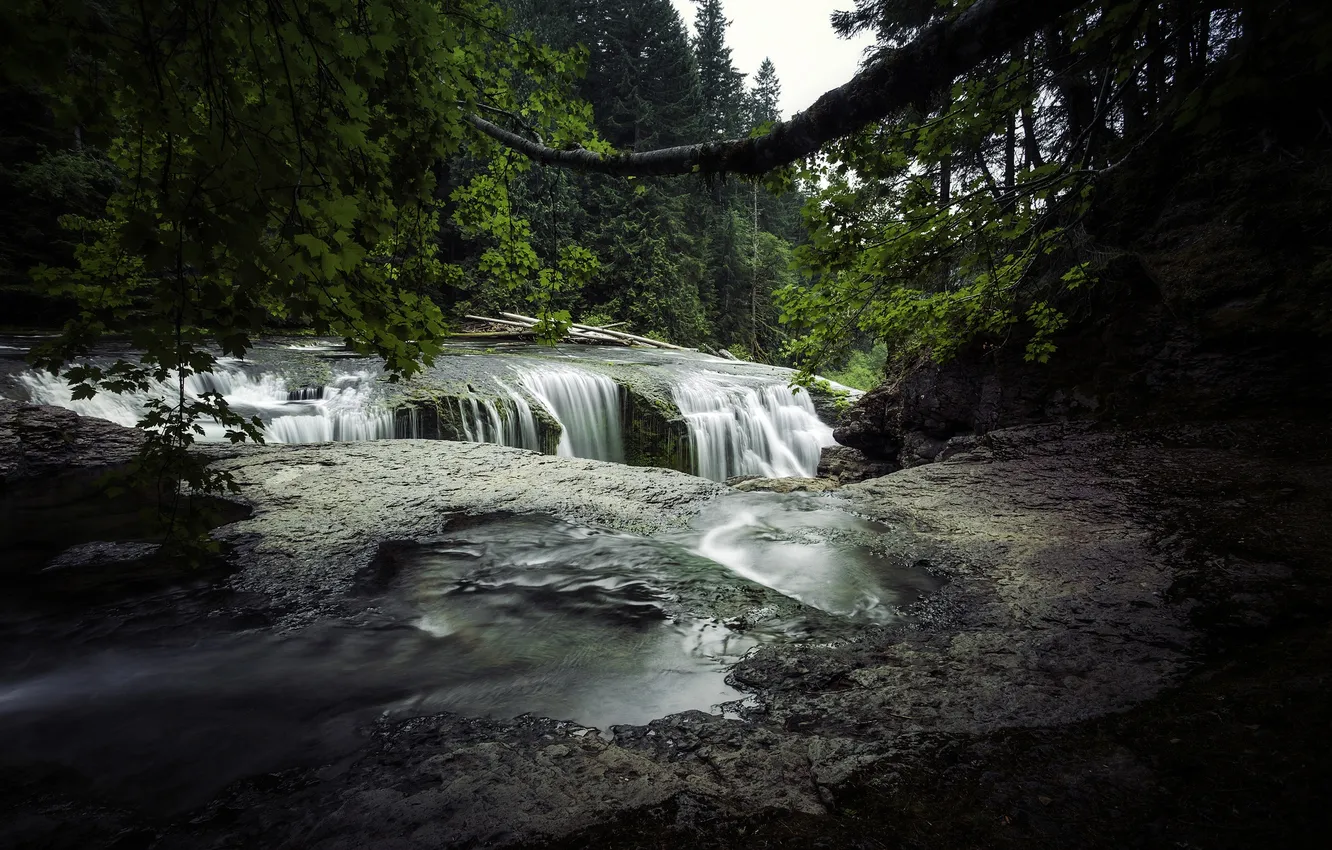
point(602, 332)
point(526, 323)
point(641, 340)
point(518, 335)
point(500, 321)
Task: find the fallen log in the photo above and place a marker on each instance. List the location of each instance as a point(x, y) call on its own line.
point(642, 340)
point(577, 335)
point(527, 325)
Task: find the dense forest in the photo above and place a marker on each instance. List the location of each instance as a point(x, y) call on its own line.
point(691, 261)
point(688, 261)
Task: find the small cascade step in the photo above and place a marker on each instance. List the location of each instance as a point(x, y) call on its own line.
point(737, 428)
point(588, 407)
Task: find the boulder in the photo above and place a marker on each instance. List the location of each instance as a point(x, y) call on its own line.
point(846, 465)
point(786, 485)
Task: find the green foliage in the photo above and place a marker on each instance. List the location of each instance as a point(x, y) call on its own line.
point(740, 352)
point(971, 217)
point(863, 370)
point(274, 159)
point(596, 320)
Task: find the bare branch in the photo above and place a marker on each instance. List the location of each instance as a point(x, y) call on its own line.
point(906, 76)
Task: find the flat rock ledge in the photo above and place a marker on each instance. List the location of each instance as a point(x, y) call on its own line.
point(321, 512)
point(1055, 608)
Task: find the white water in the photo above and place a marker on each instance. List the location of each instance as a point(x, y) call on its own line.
point(738, 425)
point(340, 411)
point(483, 421)
point(586, 405)
point(810, 550)
point(738, 428)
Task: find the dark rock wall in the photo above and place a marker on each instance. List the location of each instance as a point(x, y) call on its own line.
point(38, 441)
point(654, 434)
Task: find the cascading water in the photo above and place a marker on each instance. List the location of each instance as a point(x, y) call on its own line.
point(342, 410)
point(740, 421)
point(737, 428)
point(506, 420)
point(524, 420)
point(586, 405)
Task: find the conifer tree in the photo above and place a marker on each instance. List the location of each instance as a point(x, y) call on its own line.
point(722, 86)
point(765, 96)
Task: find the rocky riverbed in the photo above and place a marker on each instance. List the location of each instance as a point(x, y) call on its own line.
point(1067, 574)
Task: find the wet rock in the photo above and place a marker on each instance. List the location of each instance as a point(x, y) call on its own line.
point(1054, 610)
point(101, 554)
point(1060, 602)
point(786, 485)
point(36, 440)
point(909, 420)
point(370, 492)
point(918, 448)
point(847, 465)
point(829, 404)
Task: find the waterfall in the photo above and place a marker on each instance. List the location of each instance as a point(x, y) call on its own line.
point(527, 435)
point(508, 421)
point(738, 424)
point(342, 410)
point(587, 406)
point(121, 408)
point(736, 428)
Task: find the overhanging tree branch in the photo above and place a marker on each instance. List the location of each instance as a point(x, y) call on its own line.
point(906, 76)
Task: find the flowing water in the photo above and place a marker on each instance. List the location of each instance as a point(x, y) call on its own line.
point(497, 616)
point(739, 428)
point(339, 410)
point(160, 690)
point(587, 406)
point(745, 421)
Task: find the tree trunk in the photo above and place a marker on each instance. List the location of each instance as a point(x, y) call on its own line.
point(946, 181)
point(1155, 63)
point(753, 286)
point(1031, 145)
point(1010, 154)
point(1204, 38)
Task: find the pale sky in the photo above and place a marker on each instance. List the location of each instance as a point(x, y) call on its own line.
point(797, 36)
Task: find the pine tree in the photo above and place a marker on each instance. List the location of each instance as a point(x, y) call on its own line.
point(765, 96)
point(641, 79)
point(722, 86)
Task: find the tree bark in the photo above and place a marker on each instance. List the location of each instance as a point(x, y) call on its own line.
point(908, 75)
point(1031, 145)
point(1010, 153)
